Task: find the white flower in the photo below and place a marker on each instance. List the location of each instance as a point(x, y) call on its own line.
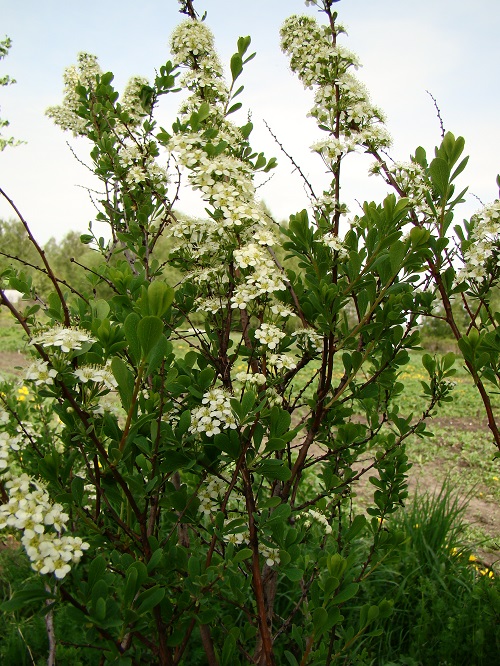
point(271, 555)
point(67, 339)
point(332, 241)
point(307, 338)
point(39, 373)
point(281, 362)
point(214, 414)
point(269, 335)
point(321, 519)
point(96, 373)
point(251, 377)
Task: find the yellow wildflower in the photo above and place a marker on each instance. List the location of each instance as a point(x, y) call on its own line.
point(22, 393)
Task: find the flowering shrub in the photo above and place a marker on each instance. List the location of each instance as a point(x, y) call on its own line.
point(214, 503)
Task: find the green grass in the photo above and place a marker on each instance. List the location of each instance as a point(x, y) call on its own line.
point(446, 604)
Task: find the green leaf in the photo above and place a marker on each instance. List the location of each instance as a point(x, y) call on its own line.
point(131, 587)
point(160, 298)
point(293, 574)
point(228, 650)
point(290, 658)
point(100, 308)
point(125, 381)
point(130, 329)
point(243, 44)
point(100, 609)
point(397, 252)
point(280, 421)
point(150, 598)
point(440, 175)
point(161, 349)
point(347, 593)
point(78, 489)
point(22, 597)
point(459, 168)
point(448, 360)
point(205, 378)
point(241, 555)
point(357, 526)
point(99, 591)
point(319, 618)
point(275, 444)
point(233, 108)
point(203, 111)
point(149, 331)
point(274, 469)
point(184, 423)
point(281, 513)
point(429, 364)
point(97, 569)
point(236, 65)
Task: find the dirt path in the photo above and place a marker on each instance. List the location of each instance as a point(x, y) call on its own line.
point(9, 361)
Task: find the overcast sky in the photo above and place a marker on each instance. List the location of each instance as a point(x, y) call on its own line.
point(449, 47)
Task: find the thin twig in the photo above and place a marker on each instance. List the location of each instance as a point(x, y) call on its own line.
point(296, 166)
point(438, 111)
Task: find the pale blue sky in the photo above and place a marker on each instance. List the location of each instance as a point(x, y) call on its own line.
point(446, 46)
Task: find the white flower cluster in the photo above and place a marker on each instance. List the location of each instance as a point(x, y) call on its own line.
point(277, 308)
point(411, 179)
point(338, 94)
point(82, 74)
point(213, 491)
point(484, 243)
point(139, 162)
point(192, 45)
point(131, 99)
point(308, 339)
point(214, 414)
point(236, 538)
point(251, 377)
point(100, 374)
point(271, 555)
point(41, 522)
point(210, 494)
point(332, 241)
point(6, 446)
point(225, 182)
point(263, 280)
point(40, 373)
point(319, 518)
point(269, 335)
point(273, 397)
point(4, 416)
point(281, 362)
point(65, 339)
point(192, 42)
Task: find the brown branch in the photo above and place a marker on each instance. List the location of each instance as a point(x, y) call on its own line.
point(39, 249)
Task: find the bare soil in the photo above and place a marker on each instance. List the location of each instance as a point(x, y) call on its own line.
point(10, 360)
point(480, 512)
